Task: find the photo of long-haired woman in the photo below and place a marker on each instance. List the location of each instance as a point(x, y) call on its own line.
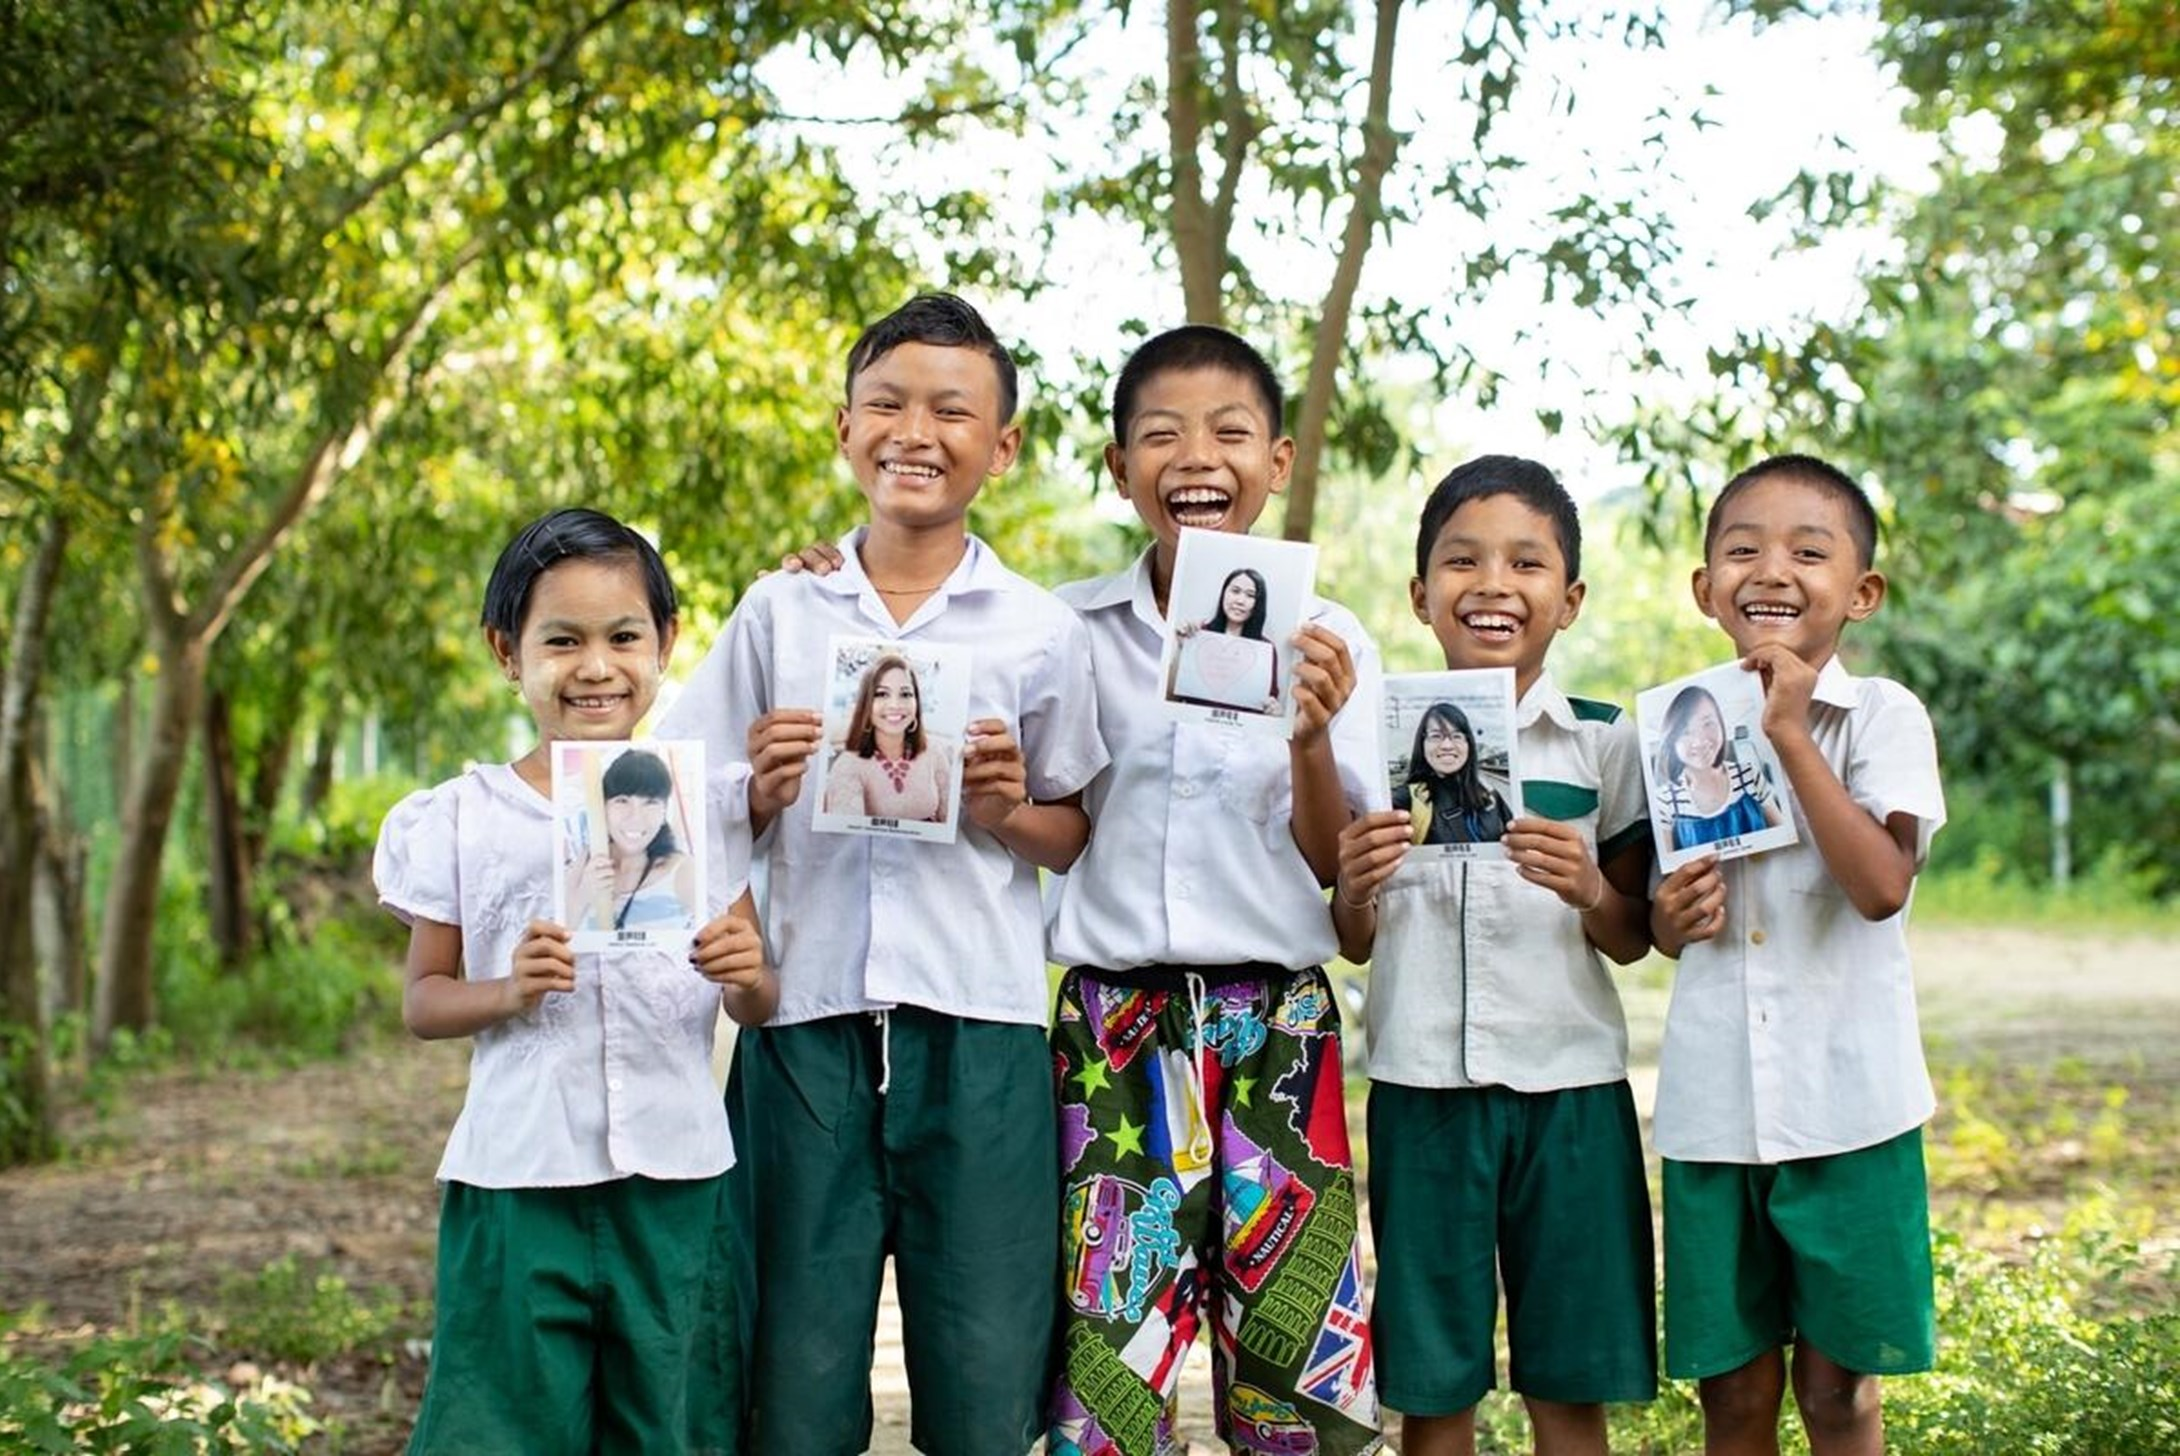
point(1714, 782)
point(631, 834)
point(1234, 607)
point(894, 719)
point(1449, 756)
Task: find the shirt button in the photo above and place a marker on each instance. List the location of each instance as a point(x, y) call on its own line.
point(1756, 937)
point(613, 1084)
point(1186, 790)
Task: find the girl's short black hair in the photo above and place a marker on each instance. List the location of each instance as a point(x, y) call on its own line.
point(641, 774)
point(1254, 627)
point(571, 534)
point(1489, 475)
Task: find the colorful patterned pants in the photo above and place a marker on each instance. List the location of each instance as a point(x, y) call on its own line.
point(1207, 1181)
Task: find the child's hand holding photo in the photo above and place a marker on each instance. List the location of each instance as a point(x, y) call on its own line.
point(544, 963)
point(730, 954)
point(780, 745)
point(1324, 678)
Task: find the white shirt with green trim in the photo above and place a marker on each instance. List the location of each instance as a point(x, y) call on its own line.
point(1482, 979)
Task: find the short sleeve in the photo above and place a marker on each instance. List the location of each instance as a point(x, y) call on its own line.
point(416, 867)
point(1062, 748)
point(727, 857)
point(732, 687)
point(1623, 809)
point(1355, 748)
point(1892, 760)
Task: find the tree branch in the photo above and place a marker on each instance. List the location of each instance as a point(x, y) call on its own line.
point(1237, 130)
point(1380, 145)
point(336, 449)
point(1193, 240)
point(466, 119)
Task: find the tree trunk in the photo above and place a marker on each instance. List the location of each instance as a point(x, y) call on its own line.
point(125, 987)
point(227, 870)
point(1365, 209)
point(26, 1112)
point(325, 749)
point(63, 857)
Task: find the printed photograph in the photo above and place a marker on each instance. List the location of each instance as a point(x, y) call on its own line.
point(630, 841)
point(1449, 760)
point(896, 715)
point(1230, 621)
point(1714, 782)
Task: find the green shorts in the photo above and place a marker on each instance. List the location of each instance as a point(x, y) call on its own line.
point(953, 1170)
point(601, 1318)
point(1834, 1249)
point(1470, 1186)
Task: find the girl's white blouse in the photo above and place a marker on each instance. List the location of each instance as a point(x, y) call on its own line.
point(610, 1080)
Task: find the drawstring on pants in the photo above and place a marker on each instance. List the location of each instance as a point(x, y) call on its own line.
point(885, 1049)
point(1199, 1132)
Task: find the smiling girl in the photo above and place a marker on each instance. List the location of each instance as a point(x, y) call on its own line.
point(1447, 800)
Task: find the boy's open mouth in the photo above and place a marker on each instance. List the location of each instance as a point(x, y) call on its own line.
point(1492, 626)
point(1200, 506)
point(913, 469)
point(1772, 612)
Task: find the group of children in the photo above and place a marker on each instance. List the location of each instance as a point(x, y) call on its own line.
point(1068, 1209)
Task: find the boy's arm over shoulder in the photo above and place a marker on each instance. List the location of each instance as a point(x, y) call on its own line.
point(732, 687)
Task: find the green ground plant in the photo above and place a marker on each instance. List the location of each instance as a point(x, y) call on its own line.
point(302, 1312)
point(145, 1394)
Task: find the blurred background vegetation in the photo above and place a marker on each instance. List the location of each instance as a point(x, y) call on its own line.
point(304, 308)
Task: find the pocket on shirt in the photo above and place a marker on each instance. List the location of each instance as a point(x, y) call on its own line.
point(1253, 778)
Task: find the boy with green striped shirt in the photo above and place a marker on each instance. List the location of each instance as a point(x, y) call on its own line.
point(1503, 1136)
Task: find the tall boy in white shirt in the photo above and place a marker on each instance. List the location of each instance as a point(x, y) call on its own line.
point(1504, 1145)
point(900, 1100)
point(1204, 1145)
point(1791, 1086)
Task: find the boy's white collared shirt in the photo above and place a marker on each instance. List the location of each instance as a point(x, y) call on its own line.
point(609, 1080)
point(1793, 1033)
point(1192, 859)
point(1480, 978)
point(859, 923)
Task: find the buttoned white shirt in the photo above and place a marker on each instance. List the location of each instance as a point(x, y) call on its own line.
point(1192, 859)
point(609, 1080)
point(1792, 1033)
point(859, 923)
point(1482, 979)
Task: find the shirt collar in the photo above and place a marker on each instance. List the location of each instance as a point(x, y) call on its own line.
point(1836, 686)
point(1544, 700)
point(978, 569)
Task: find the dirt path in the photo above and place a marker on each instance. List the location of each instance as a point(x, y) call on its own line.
point(186, 1183)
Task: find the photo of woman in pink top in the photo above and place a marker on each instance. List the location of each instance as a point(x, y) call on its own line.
point(889, 767)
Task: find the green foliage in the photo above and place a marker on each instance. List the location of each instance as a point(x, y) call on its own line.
point(2035, 1359)
point(304, 1313)
point(141, 1394)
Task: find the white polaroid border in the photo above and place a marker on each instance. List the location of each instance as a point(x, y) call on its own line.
point(1484, 699)
point(942, 682)
point(1738, 697)
point(1214, 677)
point(666, 908)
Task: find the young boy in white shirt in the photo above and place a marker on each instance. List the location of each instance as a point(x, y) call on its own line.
point(1504, 1144)
point(900, 1100)
point(1791, 1086)
point(1204, 1146)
